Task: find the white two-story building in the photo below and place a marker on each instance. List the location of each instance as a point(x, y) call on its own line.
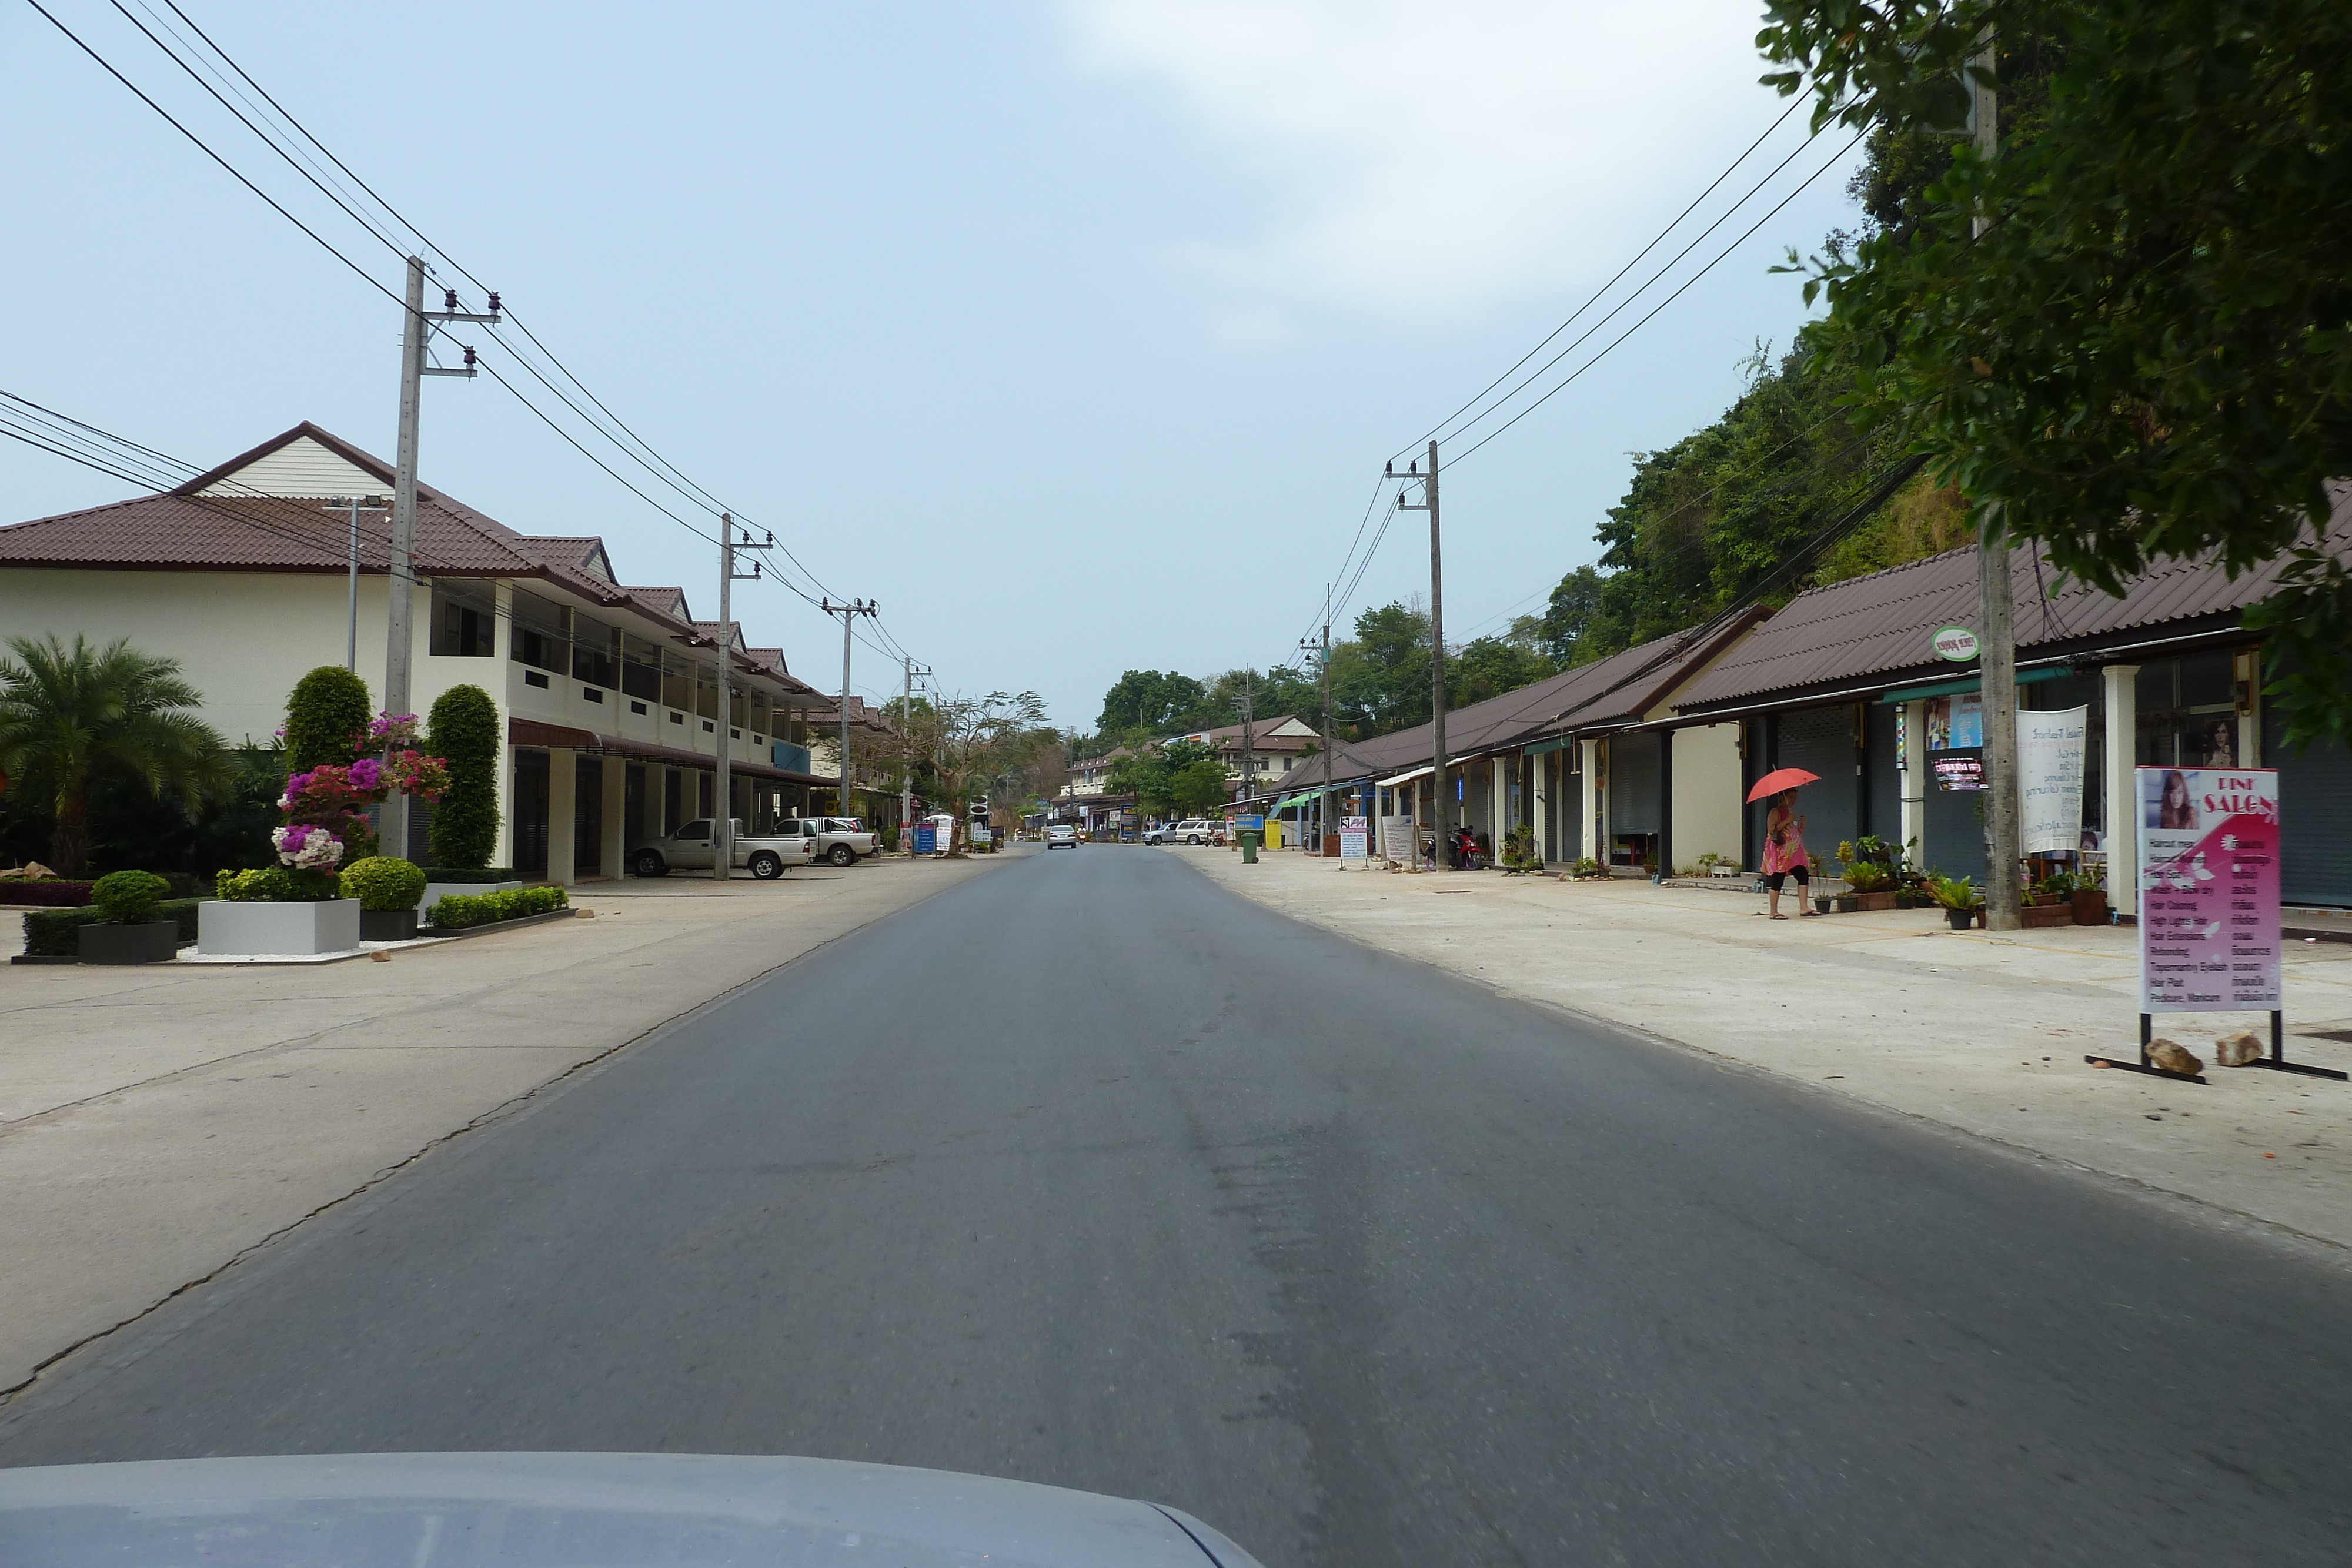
point(607, 694)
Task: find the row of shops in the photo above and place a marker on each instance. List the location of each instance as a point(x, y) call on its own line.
point(1642, 761)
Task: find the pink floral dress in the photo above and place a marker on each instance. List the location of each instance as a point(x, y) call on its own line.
point(1784, 846)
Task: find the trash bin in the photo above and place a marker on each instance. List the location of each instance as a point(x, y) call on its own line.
point(1250, 837)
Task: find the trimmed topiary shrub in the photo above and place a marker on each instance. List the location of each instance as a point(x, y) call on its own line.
point(57, 932)
point(326, 713)
point(263, 885)
point(463, 730)
point(455, 911)
point(382, 881)
point(128, 897)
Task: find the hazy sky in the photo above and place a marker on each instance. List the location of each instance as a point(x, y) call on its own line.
point(1074, 333)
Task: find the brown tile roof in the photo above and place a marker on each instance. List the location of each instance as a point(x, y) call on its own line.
point(1877, 628)
point(184, 530)
point(1608, 693)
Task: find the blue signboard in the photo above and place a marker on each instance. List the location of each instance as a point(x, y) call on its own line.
point(1250, 824)
point(926, 839)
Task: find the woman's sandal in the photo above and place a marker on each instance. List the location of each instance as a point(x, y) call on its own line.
point(1779, 917)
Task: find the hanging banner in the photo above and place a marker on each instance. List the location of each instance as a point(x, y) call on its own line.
point(1354, 839)
point(2209, 899)
point(2050, 780)
point(1955, 741)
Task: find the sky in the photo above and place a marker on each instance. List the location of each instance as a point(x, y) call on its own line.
point(1075, 333)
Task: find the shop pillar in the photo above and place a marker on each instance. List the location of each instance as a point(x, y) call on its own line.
point(562, 799)
point(1913, 780)
point(614, 818)
point(1591, 793)
point(2119, 694)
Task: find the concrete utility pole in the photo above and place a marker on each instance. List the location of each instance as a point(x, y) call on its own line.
point(352, 507)
point(1442, 818)
point(1249, 735)
point(415, 343)
point(722, 784)
point(849, 614)
point(1997, 636)
point(1323, 826)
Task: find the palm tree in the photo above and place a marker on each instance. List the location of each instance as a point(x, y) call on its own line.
point(72, 718)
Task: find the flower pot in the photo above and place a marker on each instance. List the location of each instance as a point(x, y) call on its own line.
point(2090, 906)
point(1822, 902)
point(1960, 919)
point(1847, 903)
point(1979, 912)
point(387, 924)
point(150, 942)
point(1904, 900)
point(277, 930)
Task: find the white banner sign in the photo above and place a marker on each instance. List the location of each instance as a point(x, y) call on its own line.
point(2050, 780)
point(1398, 840)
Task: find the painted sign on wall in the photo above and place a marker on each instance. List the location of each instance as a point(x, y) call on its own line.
point(2209, 924)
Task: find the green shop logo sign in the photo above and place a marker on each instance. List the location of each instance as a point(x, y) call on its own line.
point(1957, 643)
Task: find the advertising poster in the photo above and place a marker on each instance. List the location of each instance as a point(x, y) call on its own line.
point(926, 839)
point(2050, 778)
point(2208, 924)
point(1397, 839)
point(1955, 741)
point(1354, 839)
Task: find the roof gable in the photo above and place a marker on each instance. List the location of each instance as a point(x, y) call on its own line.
point(305, 463)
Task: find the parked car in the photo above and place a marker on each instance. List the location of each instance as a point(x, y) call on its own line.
point(1192, 830)
point(840, 840)
point(1060, 833)
point(689, 849)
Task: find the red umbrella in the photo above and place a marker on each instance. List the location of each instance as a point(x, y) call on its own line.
point(1780, 779)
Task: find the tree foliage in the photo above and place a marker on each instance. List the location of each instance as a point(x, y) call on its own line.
point(965, 740)
point(2147, 354)
point(73, 718)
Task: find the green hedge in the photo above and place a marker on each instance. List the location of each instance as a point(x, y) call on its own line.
point(56, 933)
point(470, 874)
point(455, 911)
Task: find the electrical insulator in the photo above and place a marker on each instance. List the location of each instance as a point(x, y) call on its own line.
point(494, 301)
point(449, 300)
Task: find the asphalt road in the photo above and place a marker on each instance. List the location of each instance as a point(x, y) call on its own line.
point(1087, 1172)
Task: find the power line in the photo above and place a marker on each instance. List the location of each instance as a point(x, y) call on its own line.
point(1437, 430)
point(1661, 305)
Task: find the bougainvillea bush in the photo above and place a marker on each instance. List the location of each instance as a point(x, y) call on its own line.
point(326, 805)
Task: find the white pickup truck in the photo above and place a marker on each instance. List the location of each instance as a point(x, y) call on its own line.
point(844, 840)
point(689, 849)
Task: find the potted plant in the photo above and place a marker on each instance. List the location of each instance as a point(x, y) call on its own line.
point(388, 891)
point(129, 932)
point(2050, 902)
point(292, 908)
point(2089, 899)
point(1956, 896)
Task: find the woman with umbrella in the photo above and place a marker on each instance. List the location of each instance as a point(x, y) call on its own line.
point(1784, 836)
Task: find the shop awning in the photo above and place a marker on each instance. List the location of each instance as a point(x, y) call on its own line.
point(1396, 780)
point(1300, 799)
point(1975, 682)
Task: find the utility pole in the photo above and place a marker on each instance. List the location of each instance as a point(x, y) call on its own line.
point(352, 507)
point(1441, 817)
point(722, 784)
point(849, 614)
point(415, 345)
point(1249, 734)
point(1996, 635)
point(1323, 810)
point(907, 765)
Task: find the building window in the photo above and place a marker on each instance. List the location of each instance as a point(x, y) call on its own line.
point(533, 678)
point(641, 669)
point(677, 718)
point(463, 627)
point(592, 694)
point(595, 653)
point(542, 634)
point(636, 708)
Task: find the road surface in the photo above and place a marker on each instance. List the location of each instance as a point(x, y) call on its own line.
point(1088, 1173)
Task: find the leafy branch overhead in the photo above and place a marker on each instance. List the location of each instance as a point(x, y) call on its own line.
point(2148, 352)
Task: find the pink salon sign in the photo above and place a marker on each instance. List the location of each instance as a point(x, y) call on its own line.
point(2209, 924)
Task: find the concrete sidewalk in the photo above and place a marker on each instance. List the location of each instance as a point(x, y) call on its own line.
point(157, 1122)
point(1979, 1032)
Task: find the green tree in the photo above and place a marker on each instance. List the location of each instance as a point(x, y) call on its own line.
point(1146, 703)
point(1488, 667)
point(1379, 678)
point(965, 739)
point(2149, 351)
point(327, 714)
point(73, 717)
point(1199, 788)
point(462, 729)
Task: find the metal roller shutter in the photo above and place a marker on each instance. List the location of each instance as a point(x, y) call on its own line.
point(1634, 806)
point(1821, 740)
point(2314, 820)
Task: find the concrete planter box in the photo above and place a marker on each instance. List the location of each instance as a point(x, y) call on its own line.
point(150, 942)
point(331, 926)
point(387, 924)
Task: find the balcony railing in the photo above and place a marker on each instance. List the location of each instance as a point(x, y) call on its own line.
point(792, 759)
